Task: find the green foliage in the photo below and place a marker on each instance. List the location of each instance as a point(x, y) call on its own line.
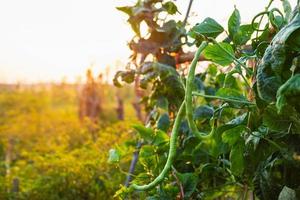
point(289, 93)
point(239, 34)
point(274, 69)
point(217, 55)
point(234, 23)
point(287, 194)
point(170, 7)
point(51, 154)
point(239, 134)
point(163, 122)
point(209, 28)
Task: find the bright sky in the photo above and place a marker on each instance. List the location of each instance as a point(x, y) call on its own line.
point(46, 40)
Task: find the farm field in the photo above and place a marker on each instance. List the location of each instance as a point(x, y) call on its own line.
point(48, 153)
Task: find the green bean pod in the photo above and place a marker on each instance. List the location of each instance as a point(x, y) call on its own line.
point(172, 153)
point(189, 90)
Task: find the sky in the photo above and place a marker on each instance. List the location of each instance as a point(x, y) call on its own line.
point(47, 40)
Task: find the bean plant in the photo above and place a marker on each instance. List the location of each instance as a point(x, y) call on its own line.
point(230, 130)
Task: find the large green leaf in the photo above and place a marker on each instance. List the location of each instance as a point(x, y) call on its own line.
point(233, 94)
point(278, 122)
point(232, 136)
point(189, 182)
point(218, 55)
point(230, 81)
point(237, 159)
point(243, 35)
point(125, 9)
point(125, 76)
point(160, 138)
point(277, 60)
point(163, 122)
point(209, 28)
point(234, 23)
point(147, 156)
point(289, 93)
point(162, 102)
point(170, 7)
point(287, 194)
point(145, 133)
point(203, 112)
point(287, 9)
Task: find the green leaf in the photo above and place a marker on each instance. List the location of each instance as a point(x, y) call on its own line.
point(232, 136)
point(203, 112)
point(162, 103)
point(125, 9)
point(114, 156)
point(232, 94)
point(241, 119)
point(147, 157)
point(145, 133)
point(126, 76)
point(212, 69)
point(230, 81)
point(160, 138)
point(278, 22)
point(198, 84)
point(234, 23)
point(294, 41)
point(209, 28)
point(289, 93)
point(147, 151)
point(189, 182)
point(255, 137)
point(217, 55)
point(237, 159)
point(243, 35)
point(275, 121)
point(287, 9)
point(170, 7)
point(287, 194)
point(135, 25)
point(163, 122)
point(142, 178)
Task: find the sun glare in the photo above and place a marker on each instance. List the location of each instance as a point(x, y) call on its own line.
point(48, 40)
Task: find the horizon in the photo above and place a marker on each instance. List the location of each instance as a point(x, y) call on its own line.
point(54, 40)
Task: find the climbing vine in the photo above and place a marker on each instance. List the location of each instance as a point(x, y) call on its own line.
point(234, 126)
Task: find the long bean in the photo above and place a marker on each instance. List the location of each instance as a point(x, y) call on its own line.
point(172, 153)
point(189, 90)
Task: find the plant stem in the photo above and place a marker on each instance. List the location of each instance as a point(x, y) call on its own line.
point(187, 13)
point(223, 98)
point(260, 20)
point(178, 183)
point(133, 163)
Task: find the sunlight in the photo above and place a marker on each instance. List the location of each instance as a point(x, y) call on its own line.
point(48, 40)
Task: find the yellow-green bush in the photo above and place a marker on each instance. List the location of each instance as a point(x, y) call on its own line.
point(52, 154)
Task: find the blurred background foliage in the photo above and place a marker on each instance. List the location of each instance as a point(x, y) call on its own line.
point(50, 150)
